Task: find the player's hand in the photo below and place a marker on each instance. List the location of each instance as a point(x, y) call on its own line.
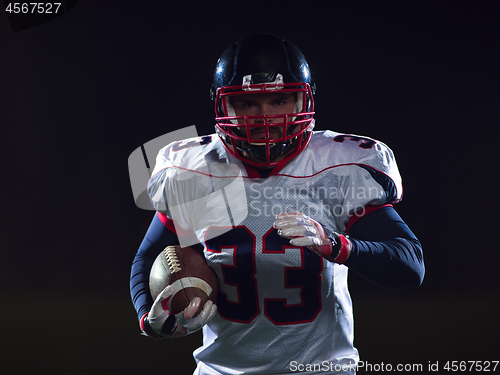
point(161, 323)
point(305, 231)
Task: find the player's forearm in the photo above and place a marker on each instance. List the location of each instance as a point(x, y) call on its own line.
point(395, 263)
point(155, 240)
point(385, 251)
point(139, 289)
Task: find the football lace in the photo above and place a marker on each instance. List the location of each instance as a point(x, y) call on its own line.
point(172, 261)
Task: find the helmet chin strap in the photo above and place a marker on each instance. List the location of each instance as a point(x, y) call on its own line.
point(259, 151)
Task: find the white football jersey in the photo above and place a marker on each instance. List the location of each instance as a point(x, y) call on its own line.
point(281, 308)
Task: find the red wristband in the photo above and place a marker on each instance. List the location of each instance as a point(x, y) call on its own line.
point(142, 322)
point(345, 250)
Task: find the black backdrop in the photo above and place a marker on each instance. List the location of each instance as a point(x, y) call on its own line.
point(81, 92)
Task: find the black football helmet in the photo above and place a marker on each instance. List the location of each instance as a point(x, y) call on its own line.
point(263, 64)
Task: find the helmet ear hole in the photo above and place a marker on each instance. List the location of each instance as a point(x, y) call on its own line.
point(313, 88)
point(213, 92)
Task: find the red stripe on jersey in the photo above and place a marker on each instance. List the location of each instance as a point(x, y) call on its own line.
point(278, 168)
point(358, 215)
point(165, 220)
point(169, 224)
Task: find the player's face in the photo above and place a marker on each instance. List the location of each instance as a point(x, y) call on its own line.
point(265, 104)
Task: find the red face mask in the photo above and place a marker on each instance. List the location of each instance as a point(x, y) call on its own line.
point(265, 139)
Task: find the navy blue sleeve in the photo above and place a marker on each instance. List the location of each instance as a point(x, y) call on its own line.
point(385, 251)
point(156, 239)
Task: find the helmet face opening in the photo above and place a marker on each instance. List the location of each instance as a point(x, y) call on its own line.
point(269, 139)
point(263, 64)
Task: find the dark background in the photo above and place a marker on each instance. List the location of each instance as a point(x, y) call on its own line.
point(81, 92)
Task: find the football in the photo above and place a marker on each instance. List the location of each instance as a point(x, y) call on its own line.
point(187, 271)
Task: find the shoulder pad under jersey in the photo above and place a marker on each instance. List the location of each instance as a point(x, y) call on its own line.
point(330, 149)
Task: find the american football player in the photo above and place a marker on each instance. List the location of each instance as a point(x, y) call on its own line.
point(283, 213)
